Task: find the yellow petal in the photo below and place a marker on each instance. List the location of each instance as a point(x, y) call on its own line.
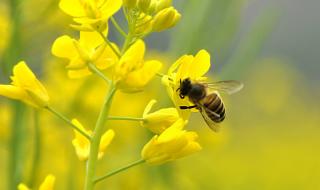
point(110, 7)
point(200, 65)
point(22, 186)
point(48, 183)
point(90, 40)
point(184, 69)
point(139, 78)
point(80, 143)
point(107, 58)
point(105, 141)
point(63, 47)
point(148, 108)
point(13, 92)
point(73, 8)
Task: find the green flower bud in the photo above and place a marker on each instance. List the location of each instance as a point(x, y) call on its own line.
point(129, 3)
point(144, 5)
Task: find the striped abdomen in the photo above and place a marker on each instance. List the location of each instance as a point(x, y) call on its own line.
point(214, 104)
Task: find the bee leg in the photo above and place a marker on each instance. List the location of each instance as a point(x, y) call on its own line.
point(187, 107)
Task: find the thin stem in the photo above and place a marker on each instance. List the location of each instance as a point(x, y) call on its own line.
point(66, 120)
point(94, 69)
point(109, 44)
point(160, 74)
point(118, 27)
point(125, 118)
point(96, 137)
point(138, 162)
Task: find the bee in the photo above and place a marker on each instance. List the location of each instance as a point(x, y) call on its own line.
point(209, 103)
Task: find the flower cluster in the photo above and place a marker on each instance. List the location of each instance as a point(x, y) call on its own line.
point(122, 69)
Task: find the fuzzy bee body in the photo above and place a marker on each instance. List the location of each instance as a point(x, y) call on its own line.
point(209, 104)
point(214, 104)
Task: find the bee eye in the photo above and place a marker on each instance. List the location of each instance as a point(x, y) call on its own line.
point(181, 96)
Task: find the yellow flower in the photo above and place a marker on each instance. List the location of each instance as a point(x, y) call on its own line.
point(165, 19)
point(82, 144)
point(47, 184)
point(160, 120)
point(25, 87)
point(187, 66)
point(132, 73)
point(172, 144)
point(90, 48)
point(90, 14)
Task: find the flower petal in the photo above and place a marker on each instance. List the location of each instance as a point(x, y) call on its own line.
point(110, 7)
point(200, 64)
point(48, 183)
point(64, 47)
point(73, 8)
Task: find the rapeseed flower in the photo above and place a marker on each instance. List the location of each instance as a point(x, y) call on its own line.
point(132, 73)
point(187, 66)
point(25, 87)
point(82, 144)
point(47, 184)
point(90, 14)
point(165, 19)
point(160, 120)
point(89, 49)
point(172, 144)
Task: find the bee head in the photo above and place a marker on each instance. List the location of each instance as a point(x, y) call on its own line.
point(185, 87)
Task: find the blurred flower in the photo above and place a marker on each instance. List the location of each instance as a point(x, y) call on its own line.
point(82, 144)
point(90, 14)
point(165, 19)
point(47, 184)
point(160, 120)
point(90, 48)
point(172, 144)
point(132, 73)
point(25, 87)
point(186, 66)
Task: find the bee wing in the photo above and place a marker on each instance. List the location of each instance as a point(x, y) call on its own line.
point(211, 124)
point(228, 86)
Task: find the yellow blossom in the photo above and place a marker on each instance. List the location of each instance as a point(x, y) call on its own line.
point(132, 73)
point(172, 144)
point(90, 48)
point(187, 66)
point(47, 184)
point(25, 87)
point(90, 14)
point(160, 120)
point(82, 144)
point(165, 19)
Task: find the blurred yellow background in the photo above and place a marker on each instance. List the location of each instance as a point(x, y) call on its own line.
point(270, 139)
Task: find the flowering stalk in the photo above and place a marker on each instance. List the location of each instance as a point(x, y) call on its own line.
point(138, 162)
point(125, 118)
point(96, 137)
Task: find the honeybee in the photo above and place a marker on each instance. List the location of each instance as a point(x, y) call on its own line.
point(206, 98)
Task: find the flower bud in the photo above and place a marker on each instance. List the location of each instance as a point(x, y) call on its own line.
point(165, 19)
point(144, 5)
point(129, 3)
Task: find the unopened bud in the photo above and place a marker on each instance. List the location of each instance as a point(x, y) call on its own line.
point(165, 19)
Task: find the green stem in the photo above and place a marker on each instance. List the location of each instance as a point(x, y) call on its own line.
point(118, 27)
point(95, 70)
point(96, 137)
point(109, 44)
point(37, 149)
point(125, 118)
point(127, 43)
point(138, 162)
point(66, 120)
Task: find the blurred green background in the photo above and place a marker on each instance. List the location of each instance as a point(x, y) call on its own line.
point(270, 139)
